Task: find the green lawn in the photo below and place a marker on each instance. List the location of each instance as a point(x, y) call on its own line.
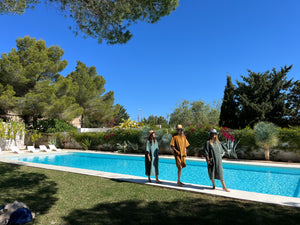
point(67, 198)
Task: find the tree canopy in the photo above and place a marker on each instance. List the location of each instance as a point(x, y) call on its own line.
point(90, 94)
point(32, 61)
point(154, 120)
point(293, 105)
point(107, 20)
point(195, 113)
point(260, 97)
point(31, 85)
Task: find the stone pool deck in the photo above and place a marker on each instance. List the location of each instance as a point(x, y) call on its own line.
point(236, 194)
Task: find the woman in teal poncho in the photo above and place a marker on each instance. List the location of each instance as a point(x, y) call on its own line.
point(151, 157)
point(213, 152)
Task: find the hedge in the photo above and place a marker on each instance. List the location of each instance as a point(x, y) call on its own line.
point(289, 138)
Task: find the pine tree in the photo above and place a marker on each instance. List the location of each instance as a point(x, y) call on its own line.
point(97, 105)
point(107, 20)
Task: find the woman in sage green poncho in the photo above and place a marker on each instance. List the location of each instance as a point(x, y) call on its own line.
point(151, 157)
point(213, 152)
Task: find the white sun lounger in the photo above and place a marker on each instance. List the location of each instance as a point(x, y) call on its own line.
point(43, 148)
point(32, 149)
point(0, 150)
point(53, 148)
point(15, 149)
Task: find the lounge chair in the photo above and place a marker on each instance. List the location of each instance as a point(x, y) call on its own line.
point(15, 149)
point(43, 148)
point(32, 149)
point(53, 148)
point(0, 150)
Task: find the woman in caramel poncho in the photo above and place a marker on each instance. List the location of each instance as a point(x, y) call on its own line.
point(179, 143)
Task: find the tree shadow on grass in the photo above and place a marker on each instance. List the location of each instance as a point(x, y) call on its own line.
point(188, 211)
point(7, 168)
point(34, 189)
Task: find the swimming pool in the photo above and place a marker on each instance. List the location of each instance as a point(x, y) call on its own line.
point(282, 181)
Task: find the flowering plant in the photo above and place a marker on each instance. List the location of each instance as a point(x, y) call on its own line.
point(107, 136)
point(230, 144)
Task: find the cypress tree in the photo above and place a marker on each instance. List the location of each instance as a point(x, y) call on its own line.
point(229, 109)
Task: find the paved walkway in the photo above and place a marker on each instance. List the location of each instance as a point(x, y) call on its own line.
point(237, 194)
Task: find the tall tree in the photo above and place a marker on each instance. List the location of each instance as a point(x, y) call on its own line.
point(293, 104)
point(181, 114)
point(64, 105)
point(32, 61)
point(16, 7)
point(50, 100)
point(8, 100)
point(153, 120)
point(90, 94)
point(35, 103)
point(229, 107)
point(205, 113)
point(107, 20)
point(195, 113)
point(122, 115)
point(263, 96)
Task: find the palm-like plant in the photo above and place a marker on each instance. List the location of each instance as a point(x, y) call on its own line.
point(127, 124)
point(266, 136)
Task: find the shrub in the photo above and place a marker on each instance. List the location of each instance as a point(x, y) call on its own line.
point(89, 140)
point(266, 136)
point(246, 138)
point(53, 126)
point(290, 139)
point(196, 136)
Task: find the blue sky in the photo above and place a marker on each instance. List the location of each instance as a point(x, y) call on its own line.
point(186, 55)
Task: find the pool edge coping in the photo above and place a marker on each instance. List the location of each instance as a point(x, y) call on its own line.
point(235, 194)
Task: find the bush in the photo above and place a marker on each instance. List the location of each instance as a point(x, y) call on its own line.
point(89, 140)
point(53, 126)
point(196, 136)
point(132, 139)
point(119, 136)
point(290, 139)
point(246, 138)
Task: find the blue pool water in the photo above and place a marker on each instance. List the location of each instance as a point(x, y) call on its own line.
point(263, 179)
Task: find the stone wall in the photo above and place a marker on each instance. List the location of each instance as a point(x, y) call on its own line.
point(275, 155)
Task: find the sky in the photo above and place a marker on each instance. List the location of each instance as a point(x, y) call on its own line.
point(184, 56)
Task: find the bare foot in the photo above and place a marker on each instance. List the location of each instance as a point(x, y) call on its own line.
point(213, 187)
point(179, 184)
point(225, 189)
point(158, 182)
point(149, 181)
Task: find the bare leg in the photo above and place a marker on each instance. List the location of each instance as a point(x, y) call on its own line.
point(224, 187)
point(149, 179)
point(157, 180)
point(179, 175)
point(213, 183)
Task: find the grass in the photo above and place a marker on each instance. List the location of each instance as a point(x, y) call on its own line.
point(70, 199)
